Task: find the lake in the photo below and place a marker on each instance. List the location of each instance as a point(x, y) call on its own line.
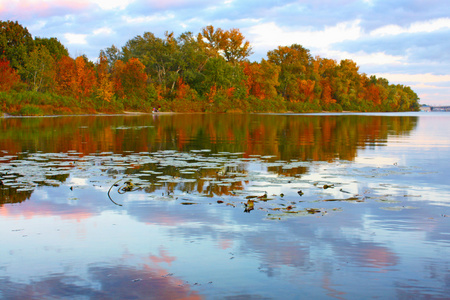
point(227, 206)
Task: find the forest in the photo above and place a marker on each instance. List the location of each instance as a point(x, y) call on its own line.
point(205, 72)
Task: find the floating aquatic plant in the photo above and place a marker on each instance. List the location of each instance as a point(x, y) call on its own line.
point(213, 178)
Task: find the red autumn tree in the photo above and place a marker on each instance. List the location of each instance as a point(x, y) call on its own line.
point(8, 76)
point(306, 90)
point(262, 79)
point(75, 78)
point(66, 77)
point(326, 97)
point(130, 79)
point(85, 77)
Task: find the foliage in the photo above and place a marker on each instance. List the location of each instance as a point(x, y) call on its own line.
point(230, 44)
point(295, 64)
point(262, 79)
point(53, 45)
point(208, 72)
point(130, 81)
point(112, 54)
point(9, 77)
point(85, 78)
point(15, 43)
point(66, 77)
point(39, 69)
point(31, 110)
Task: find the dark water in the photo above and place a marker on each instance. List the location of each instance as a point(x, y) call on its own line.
point(225, 207)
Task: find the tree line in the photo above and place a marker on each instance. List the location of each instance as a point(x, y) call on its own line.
point(207, 72)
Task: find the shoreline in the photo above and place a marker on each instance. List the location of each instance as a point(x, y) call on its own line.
point(131, 113)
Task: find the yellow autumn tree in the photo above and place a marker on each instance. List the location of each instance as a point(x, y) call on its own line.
point(105, 87)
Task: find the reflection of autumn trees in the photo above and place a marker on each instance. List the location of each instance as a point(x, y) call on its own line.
point(12, 195)
point(286, 137)
point(268, 137)
point(205, 181)
point(290, 172)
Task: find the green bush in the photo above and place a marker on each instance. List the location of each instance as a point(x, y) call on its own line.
point(334, 107)
point(303, 107)
point(31, 110)
point(276, 104)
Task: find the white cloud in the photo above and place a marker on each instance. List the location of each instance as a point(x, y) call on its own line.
point(75, 38)
point(103, 31)
point(433, 97)
point(428, 86)
point(37, 26)
point(78, 181)
point(418, 78)
point(417, 27)
point(363, 58)
point(431, 89)
point(272, 35)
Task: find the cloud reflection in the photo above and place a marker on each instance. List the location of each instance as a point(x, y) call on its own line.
point(118, 282)
point(85, 246)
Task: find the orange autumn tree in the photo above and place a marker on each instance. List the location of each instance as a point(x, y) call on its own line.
point(75, 78)
point(229, 44)
point(130, 80)
point(326, 97)
point(85, 77)
point(117, 72)
point(262, 79)
point(8, 76)
point(373, 94)
point(185, 98)
point(66, 76)
point(324, 69)
point(376, 90)
point(305, 90)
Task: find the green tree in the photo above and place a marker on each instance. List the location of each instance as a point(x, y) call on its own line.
point(295, 63)
point(348, 85)
point(15, 43)
point(53, 45)
point(158, 56)
point(39, 69)
point(219, 73)
point(112, 54)
point(192, 59)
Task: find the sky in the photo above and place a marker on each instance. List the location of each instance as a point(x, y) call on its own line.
point(404, 41)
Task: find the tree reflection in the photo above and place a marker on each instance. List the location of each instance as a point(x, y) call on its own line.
point(303, 137)
point(272, 139)
point(12, 195)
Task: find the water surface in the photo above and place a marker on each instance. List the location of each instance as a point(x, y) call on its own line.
point(201, 206)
